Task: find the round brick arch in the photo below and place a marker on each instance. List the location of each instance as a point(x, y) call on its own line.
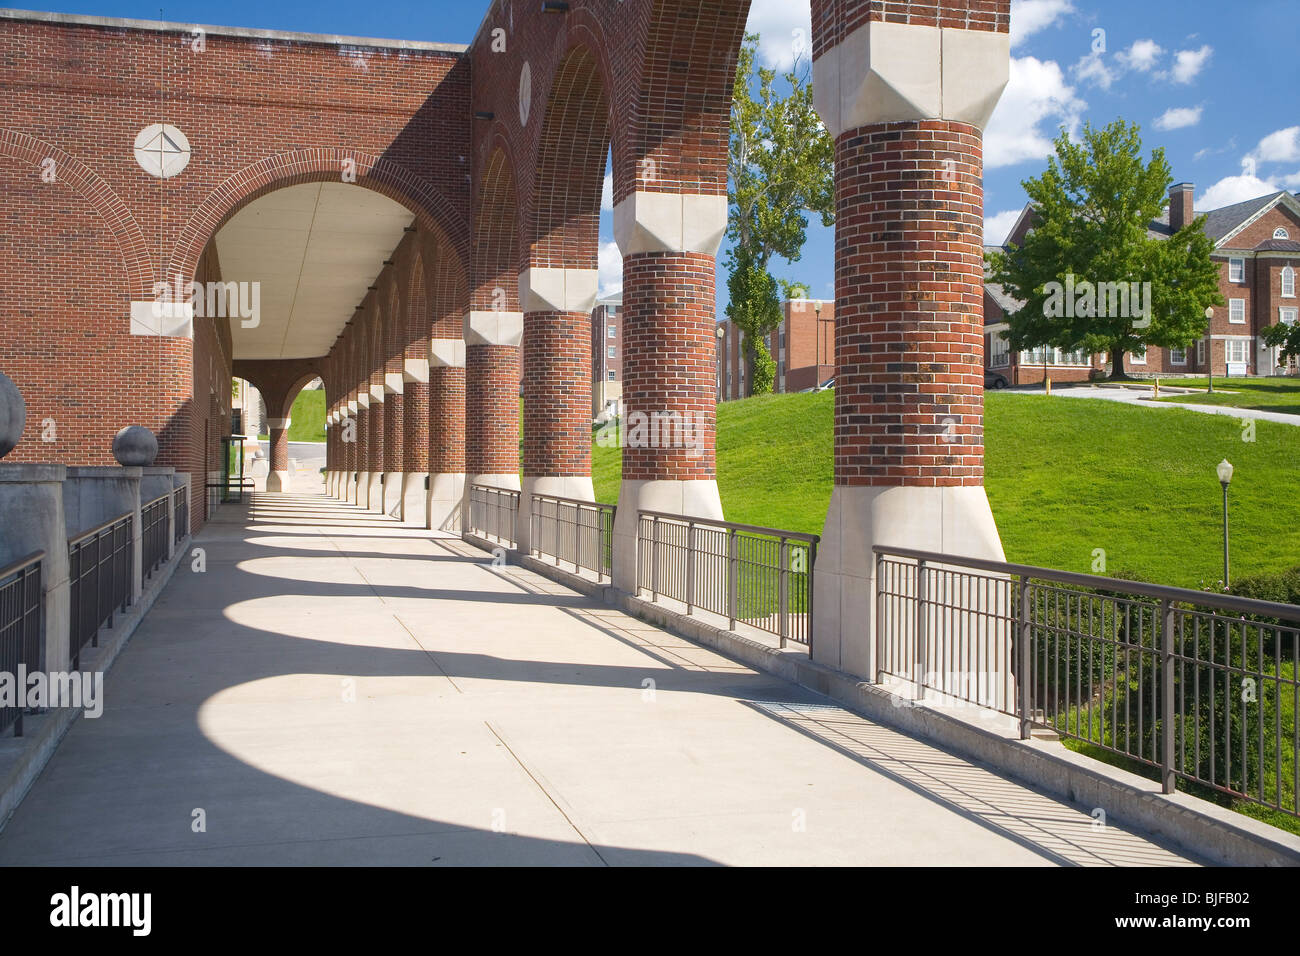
point(432, 210)
point(496, 234)
point(126, 231)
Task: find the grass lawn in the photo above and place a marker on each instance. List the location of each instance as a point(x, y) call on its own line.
point(308, 416)
point(1064, 477)
point(1261, 394)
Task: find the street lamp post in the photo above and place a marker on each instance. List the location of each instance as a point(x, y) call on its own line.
point(1225, 478)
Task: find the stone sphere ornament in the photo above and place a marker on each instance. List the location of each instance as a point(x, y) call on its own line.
point(13, 414)
point(135, 445)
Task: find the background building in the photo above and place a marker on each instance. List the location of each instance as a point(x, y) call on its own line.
point(606, 354)
point(803, 347)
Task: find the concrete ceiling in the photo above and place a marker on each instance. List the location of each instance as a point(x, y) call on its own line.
point(315, 249)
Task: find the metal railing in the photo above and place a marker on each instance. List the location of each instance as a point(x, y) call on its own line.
point(759, 576)
point(100, 573)
point(492, 512)
point(181, 511)
point(1189, 685)
point(153, 535)
point(20, 626)
point(576, 532)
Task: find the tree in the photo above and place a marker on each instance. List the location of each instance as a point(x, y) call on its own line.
point(1286, 335)
point(780, 166)
point(1089, 274)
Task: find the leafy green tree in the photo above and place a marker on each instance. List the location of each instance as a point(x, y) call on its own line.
point(1089, 274)
point(1286, 335)
point(780, 168)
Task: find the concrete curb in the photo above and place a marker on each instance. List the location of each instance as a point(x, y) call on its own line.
point(23, 758)
point(1203, 829)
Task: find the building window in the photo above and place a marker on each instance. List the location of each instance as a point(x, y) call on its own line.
point(612, 350)
point(1287, 316)
point(613, 331)
point(1280, 233)
point(1238, 350)
point(1138, 358)
point(1236, 270)
point(999, 351)
point(1288, 282)
point(1237, 311)
point(613, 376)
point(1178, 356)
point(1200, 352)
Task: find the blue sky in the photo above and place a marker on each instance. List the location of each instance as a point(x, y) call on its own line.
point(1214, 83)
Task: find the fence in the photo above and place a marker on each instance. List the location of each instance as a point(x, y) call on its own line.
point(580, 533)
point(181, 510)
point(760, 576)
point(492, 512)
point(1189, 685)
point(153, 543)
point(20, 626)
point(100, 570)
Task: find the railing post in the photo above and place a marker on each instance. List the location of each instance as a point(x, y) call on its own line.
point(783, 591)
point(733, 577)
point(1167, 665)
point(921, 622)
point(880, 615)
point(654, 559)
point(690, 566)
point(1025, 659)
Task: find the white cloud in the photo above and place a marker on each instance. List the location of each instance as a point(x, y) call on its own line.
point(1141, 56)
point(1032, 16)
point(1290, 182)
point(1282, 146)
point(607, 193)
point(1188, 64)
point(1037, 93)
point(1179, 117)
point(1093, 69)
point(609, 264)
point(1235, 189)
point(784, 28)
point(997, 227)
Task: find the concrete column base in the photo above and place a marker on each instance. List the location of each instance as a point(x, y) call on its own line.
point(951, 520)
point(697, 499)
point(415, 499)
point(361, 490)
point(392, 494)
point(446, 502)
point(374, 500)
point(277, 481)
point(562, 486)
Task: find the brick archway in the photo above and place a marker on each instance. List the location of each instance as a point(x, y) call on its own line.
point(433, 212)
point(114, 212)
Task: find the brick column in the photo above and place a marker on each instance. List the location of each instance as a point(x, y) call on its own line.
point(375, 449)
point(447, 428)
point(415, 442)
point(906, 101)
point(492, 340)
point(557, 387)
point(361, 485)
point(277, 479)
point(669, 243)
point(394, 410)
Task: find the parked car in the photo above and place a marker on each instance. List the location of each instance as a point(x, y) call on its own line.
point(825, 386)
point(995, 379)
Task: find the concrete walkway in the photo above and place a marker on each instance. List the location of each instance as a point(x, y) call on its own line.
point(335, 689)
point(1142, 396)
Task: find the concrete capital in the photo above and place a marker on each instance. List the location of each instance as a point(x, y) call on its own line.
point(885, 72)
point(280, 423)
point(363, 399)
point(544, 289)
point(171, 319)
point(446, 353)
point(353, 405)
point(415, 370)
point(393, 383)
point(670, 222)
point(376, 394)
point(494, 328)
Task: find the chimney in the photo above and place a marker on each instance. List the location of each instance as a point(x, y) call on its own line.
point(1180, 206)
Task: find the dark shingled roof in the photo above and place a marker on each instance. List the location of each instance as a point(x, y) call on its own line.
point(1278, 245)
point(1220, 222)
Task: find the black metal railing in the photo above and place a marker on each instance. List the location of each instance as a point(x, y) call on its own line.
point(20, 627)
point(181, 511)
point(100, 573)
point(575, 532)
point(153, 541)
point(492, 512)
point(759, 576)
point(1189, 685)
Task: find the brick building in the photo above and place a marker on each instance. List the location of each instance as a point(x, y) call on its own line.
point(803, 347)
point(1257, 249)
point(606, 354)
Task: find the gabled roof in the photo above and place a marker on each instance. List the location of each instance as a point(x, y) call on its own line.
point(1222, 224)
